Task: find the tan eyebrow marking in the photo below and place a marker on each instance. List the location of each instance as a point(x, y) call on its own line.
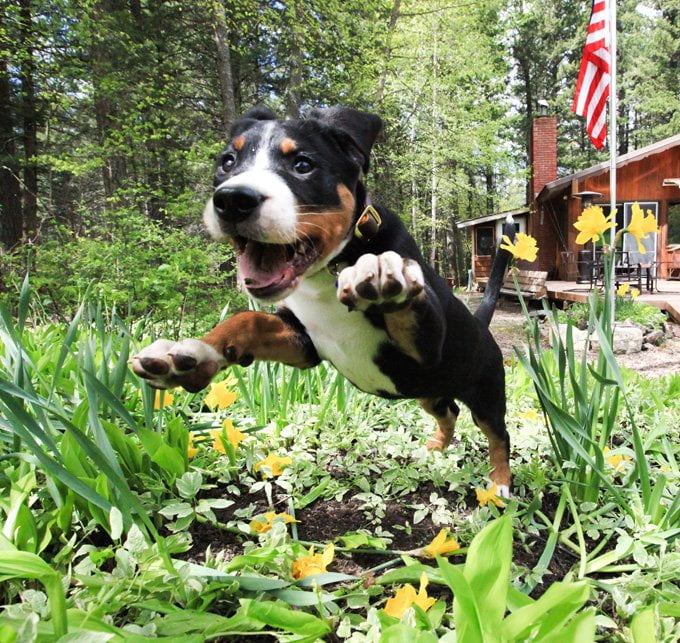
point(239, 142)
point(288, 145)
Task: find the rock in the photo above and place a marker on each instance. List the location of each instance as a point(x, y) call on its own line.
point(627, 339)
point(579, 336)
point(655, 337)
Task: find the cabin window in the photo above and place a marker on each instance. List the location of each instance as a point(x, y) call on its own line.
point(630, 242)
point(485, 245)
point(673, 223)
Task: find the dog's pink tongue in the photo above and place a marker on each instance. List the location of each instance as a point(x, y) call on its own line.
point(262, 265)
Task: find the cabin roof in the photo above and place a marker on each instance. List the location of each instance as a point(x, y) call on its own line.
point(492, 217)
point(560, 185)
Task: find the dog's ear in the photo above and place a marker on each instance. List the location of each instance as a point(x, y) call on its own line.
point(258, 113)
point(362, 129)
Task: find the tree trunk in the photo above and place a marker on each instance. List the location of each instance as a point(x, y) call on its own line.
point(30, 122)
point(224, 71)
point(490, 191)
point(435, 176)
point(11, 219)
point(294, 89)
point(394, 15)
point(113, 166)
point(458, 254)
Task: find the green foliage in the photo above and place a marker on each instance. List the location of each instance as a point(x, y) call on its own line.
point(140, 269)
point(648, 316)
point(482, 591)
point(91, 475)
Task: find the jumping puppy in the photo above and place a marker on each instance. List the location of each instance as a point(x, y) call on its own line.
point(351, 285)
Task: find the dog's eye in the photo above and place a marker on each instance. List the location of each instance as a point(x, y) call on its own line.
point(303, 164)
point(228, 161)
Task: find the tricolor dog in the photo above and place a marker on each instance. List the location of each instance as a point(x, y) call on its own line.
point(351, 285)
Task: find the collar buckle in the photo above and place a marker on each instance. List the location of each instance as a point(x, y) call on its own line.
point(368, 224)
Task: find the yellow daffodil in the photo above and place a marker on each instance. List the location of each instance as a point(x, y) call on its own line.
point(167, 399)
point(440, 546)
point(634, 293)
point(524, 246)
point(622, 290)
point(485, 496)
point(275, 463)
point(640, 225)
point(592, 223)
point(531, 414)
point(220, 397)
point(406, 596)
point(262, 524)
point(616, 461)
point(313, 563)
point(234, 436)
point(191, 449)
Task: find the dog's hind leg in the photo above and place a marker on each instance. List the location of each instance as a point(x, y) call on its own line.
point(446, 413)
point(493, 428)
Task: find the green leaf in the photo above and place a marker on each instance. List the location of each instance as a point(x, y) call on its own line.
point(116, 523)
point(643, 626)
point(564, 598)
point(402, 633)
point(411, 574)
point(312, 494)
point(487, 569)
point(284, 618)
point(466, 610)
point(22, 564)
point(189, 484)
point(581, 629)
point(324, 579)
point(300, 598)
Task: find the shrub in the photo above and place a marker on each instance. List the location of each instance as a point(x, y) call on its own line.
point(626, 309)
point(143, 269)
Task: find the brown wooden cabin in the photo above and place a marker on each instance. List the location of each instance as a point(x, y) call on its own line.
point(649, 176)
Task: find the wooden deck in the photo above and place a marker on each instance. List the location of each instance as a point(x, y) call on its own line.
point(666, 298)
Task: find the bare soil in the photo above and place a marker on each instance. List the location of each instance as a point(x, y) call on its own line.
point(326, 520)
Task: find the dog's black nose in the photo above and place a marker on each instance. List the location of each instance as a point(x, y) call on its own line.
point(235, 204)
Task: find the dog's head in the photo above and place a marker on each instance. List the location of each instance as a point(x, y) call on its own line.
point(286, 193)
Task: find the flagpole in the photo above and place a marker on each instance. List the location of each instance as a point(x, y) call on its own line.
point(612, 147)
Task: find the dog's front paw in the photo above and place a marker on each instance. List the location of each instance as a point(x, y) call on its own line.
point(189, 363)
point(385, 281)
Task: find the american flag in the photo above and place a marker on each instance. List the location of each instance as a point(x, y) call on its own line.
point(592, 86)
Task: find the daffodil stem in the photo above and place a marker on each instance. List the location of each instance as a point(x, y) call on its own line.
point(384, 565)
point(385, 552)
point(220, 525)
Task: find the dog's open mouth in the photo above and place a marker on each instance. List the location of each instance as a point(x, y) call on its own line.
point(268, 269)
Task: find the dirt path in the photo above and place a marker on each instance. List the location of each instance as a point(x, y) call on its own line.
point(507, 327)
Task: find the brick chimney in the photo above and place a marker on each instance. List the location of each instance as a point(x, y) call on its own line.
point(543, 160)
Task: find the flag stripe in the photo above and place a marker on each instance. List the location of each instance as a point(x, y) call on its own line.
point(592, 85)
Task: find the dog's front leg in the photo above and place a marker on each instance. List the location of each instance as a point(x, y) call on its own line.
point(241, 339)
point(395, 287)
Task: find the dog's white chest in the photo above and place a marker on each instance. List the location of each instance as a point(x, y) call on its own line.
point(346, 339)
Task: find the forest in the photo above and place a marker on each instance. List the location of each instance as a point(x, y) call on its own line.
point(283, 503)
point(112, 113)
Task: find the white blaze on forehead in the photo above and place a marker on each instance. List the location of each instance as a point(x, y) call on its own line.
point(262, 152)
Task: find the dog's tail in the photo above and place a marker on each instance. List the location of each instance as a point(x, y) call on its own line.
point(485, 311)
